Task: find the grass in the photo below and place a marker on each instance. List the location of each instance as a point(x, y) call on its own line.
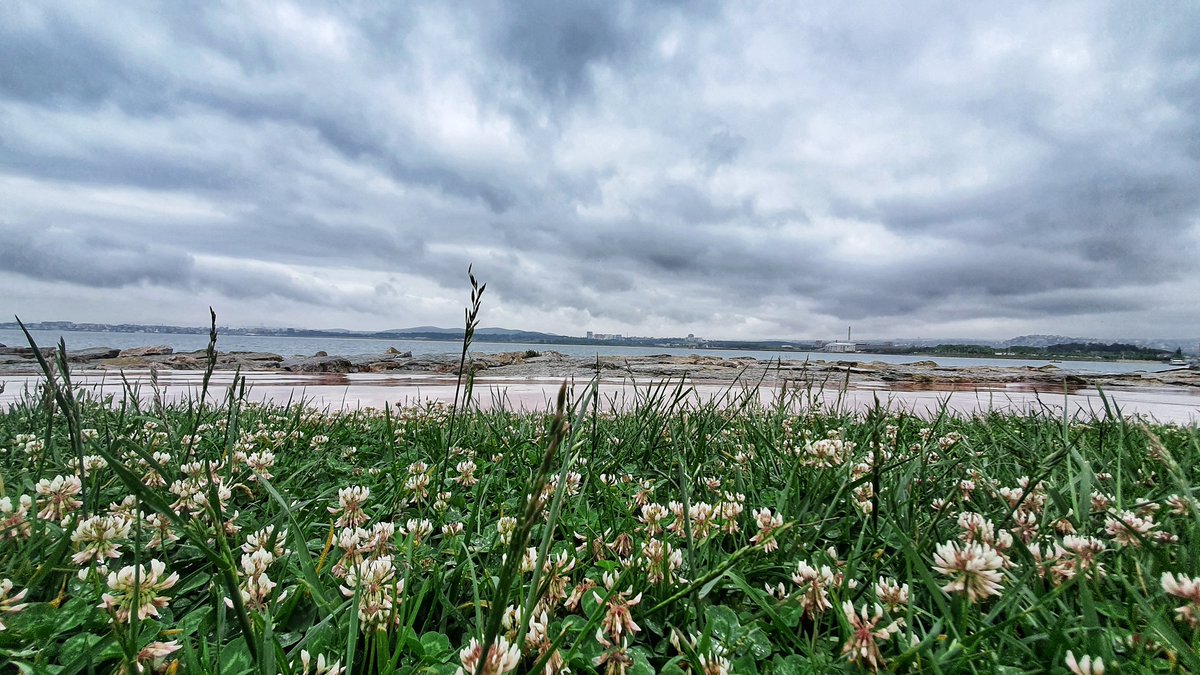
point(849, 514)
point(666, 536)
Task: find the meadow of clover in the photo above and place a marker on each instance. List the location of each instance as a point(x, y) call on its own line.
point(220, 536)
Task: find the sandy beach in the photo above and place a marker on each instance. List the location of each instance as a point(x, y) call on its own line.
point(1003, 392)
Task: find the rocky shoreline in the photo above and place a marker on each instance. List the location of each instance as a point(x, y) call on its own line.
point(550, 364)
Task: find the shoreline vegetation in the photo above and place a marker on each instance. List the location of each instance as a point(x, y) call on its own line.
point(220, 535)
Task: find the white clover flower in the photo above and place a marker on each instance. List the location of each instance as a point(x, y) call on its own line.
point(323, 667)
point(505, 527)
point(14, 519)
point(767, 524)
point(1187, 588)
point(862, 648)
point(10, 604)
point(893, 595)
point(56, 497)
point(419, 529)
point(99, 538)
point(1127, 528)
point(266, 539)
point(973, 568)
point(1085, 666)
point(502, 657)
point(813, 584)
point(136, 588)
point(92, 464)
point(350, 510)
point(374, 581)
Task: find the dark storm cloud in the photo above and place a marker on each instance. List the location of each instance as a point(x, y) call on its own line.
point(96, 260)
point(555, 44)
point(672, 167)
point(89, 258)
point(38, 68)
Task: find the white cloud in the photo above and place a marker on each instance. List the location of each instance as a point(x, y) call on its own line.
point(726, 169)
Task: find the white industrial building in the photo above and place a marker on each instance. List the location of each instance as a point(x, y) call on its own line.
point(841, 346)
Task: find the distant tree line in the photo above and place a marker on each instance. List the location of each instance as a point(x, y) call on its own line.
point(1071, 350)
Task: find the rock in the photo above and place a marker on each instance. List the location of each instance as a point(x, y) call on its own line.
point(321, 353)
point(160, 350)
point(396, 352)
point(548, 355)
point(364, 361)
point(93, 353)
point(27, 351)
point(124, 362)
point(923, 364)
point(318, 364)
point(245, 357)
point(181, 362)
point(253, 361)
point(388, 365)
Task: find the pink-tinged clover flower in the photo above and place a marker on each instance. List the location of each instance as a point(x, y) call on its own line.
point(10, 604)
point(1188, 589)
point(862, 648)
point(502, 657)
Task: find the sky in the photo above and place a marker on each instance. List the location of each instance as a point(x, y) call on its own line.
point(733, 170)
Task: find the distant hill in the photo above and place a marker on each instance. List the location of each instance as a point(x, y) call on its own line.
point(1046, 340)
point(427, 331)
point(501, 334)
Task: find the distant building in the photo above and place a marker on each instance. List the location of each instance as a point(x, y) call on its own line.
point(603, 336)
point(840, 346)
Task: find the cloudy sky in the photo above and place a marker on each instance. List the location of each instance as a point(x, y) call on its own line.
point(736, 169)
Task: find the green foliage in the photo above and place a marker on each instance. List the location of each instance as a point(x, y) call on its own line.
point(864, 497)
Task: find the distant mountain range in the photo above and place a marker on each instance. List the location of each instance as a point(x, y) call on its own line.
point(499, 334)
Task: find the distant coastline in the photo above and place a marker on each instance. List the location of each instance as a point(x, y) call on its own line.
point(1043, 347)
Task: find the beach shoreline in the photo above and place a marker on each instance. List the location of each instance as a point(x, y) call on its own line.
point(839, 369)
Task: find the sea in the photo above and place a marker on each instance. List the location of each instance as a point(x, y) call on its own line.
point(307, 346)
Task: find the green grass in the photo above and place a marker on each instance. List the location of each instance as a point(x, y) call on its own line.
point(889, 494)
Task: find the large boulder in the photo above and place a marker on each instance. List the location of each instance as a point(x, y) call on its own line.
point(27, 351)
point(249, 360)
point(93, 354)
point(160, 350)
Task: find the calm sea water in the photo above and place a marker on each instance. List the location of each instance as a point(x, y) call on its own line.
point(291, 346)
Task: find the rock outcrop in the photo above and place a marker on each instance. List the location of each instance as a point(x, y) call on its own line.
point(318, 364)
point(519, 365)
point(145, 351)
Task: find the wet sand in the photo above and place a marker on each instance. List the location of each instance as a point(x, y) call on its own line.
point(1176, 405)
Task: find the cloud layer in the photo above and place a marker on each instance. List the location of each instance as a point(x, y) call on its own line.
point(727, 169)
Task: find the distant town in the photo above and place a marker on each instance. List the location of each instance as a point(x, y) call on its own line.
point(1027, 346)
